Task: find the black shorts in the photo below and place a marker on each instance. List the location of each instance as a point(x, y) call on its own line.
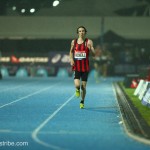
point(81, 75)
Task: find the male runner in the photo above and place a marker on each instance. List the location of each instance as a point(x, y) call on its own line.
point(79, 60)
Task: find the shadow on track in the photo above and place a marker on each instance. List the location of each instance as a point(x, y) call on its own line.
point(106, 109)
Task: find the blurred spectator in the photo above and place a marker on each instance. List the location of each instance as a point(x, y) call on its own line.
point(32, 70)
point(126, 56)
point(136, 57)
point(103, 62)
point(97, 60)
point(144, 56)
point(106, 59)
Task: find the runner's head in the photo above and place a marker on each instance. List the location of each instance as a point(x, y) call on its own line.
point(81, 29)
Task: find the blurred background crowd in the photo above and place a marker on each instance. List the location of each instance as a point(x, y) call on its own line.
point(35, 36)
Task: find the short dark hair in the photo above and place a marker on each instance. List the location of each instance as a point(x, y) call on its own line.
point(81, 27)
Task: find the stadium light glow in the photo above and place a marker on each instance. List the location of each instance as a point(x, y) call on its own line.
point(14, 8)
point(32, 10)
point(23, 10)
point(30, 7)
point(55, 3)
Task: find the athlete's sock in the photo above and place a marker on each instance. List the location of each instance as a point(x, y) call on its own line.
point(78, 88)
point(82, 101)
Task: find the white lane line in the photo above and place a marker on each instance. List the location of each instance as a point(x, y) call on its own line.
point(16, 87)
point(27, 96)
point(37, 130)
point(49, 132)
point(5, 131)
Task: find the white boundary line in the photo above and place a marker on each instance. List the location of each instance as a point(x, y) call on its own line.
point(27, 96)
point(37, 130)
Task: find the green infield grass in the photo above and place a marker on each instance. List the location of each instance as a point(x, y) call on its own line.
point(143, 110)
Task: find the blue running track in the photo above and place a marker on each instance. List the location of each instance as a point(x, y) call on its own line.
point(44, 113)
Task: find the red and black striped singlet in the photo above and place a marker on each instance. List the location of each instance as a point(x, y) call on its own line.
point(81, 56)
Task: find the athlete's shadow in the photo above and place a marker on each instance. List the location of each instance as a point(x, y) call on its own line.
point(105, 109)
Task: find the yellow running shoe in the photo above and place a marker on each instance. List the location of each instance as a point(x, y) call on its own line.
point(77, 93)
point(81, 105)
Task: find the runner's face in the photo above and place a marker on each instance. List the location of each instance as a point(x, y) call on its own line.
point(81, 32)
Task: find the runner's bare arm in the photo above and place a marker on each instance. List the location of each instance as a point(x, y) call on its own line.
point(71, 53)
point(91, 48)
